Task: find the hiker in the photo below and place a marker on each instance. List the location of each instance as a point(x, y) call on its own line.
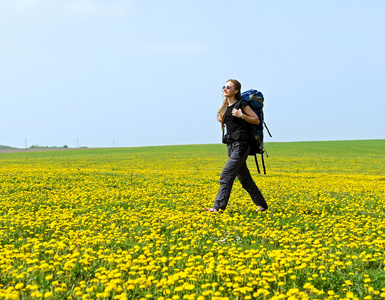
point(236, 138)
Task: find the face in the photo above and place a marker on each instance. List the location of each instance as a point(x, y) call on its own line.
point(229, 90)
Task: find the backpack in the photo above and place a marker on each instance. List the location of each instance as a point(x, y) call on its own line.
point(255, 100)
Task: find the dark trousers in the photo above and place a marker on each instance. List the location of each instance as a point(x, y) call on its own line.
point(236, 168)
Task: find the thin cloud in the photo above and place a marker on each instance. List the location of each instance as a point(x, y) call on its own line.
point(98, 8)
point(21, 6)
point(82, 8)
point(180, 47)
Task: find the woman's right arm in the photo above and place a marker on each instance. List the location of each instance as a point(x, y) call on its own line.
point(219, 118)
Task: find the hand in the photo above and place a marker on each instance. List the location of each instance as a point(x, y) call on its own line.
point(237, 113)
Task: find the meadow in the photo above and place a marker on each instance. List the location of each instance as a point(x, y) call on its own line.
point(127, 223)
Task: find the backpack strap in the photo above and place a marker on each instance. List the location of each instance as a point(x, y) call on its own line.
point(263, 164)
point(267, 129)
point(238, 103)
point(256, 163)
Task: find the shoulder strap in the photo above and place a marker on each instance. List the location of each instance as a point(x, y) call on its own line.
point(238, 104)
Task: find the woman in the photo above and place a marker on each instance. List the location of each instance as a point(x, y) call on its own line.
point(237, 146)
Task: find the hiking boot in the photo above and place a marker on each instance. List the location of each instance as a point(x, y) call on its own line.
point(212, 209)
point(260, 208)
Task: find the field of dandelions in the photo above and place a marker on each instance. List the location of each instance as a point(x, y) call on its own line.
point(128, 224)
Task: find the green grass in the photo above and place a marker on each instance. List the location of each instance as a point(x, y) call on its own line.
point(361, 156)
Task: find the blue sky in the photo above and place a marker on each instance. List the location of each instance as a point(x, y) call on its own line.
point(139, 73)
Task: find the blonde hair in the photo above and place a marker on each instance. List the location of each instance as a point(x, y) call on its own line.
point(225, 104)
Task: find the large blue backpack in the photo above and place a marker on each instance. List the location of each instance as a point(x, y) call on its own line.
point(255, 100)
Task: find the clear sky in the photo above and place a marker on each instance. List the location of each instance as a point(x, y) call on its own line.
point(146, 72)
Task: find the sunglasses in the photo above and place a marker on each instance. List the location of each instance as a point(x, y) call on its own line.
point(226, 87)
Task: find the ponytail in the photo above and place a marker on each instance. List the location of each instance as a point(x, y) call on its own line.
point(222, 111)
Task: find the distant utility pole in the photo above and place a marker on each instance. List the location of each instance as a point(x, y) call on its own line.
point(25, 143)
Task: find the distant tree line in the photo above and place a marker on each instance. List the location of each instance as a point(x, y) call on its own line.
point(6, 147)
point(52, 147)
point(41, 147)
point(44, 147)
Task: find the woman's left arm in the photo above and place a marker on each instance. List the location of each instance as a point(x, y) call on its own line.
point(249, 116)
